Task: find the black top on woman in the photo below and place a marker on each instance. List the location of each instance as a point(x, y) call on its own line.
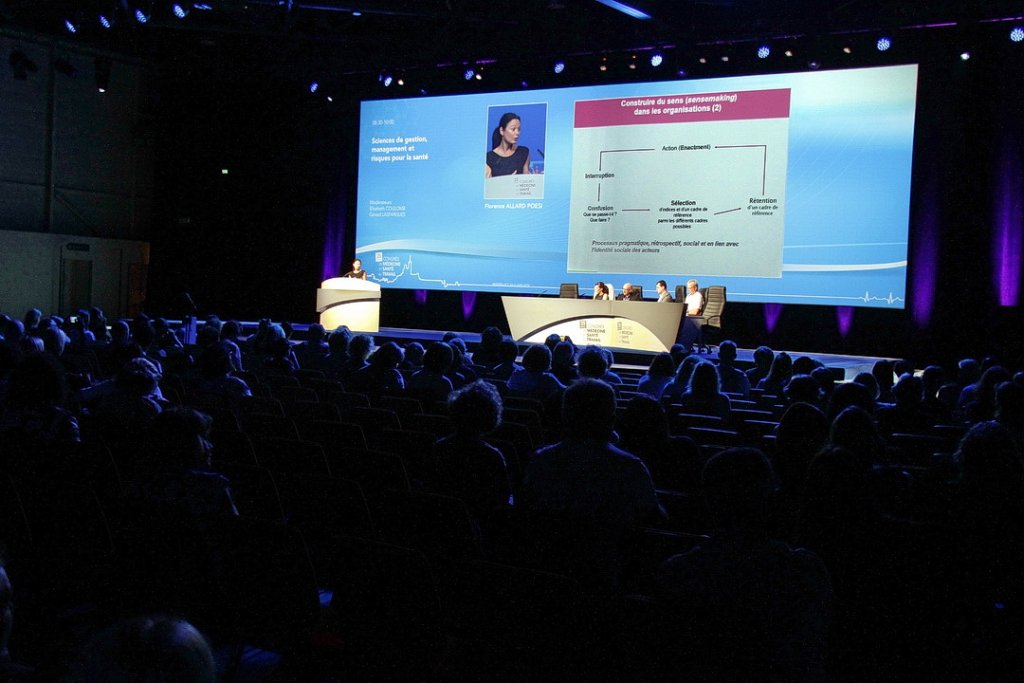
point(507, 157)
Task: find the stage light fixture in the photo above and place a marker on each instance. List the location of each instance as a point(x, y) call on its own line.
point(21, 65)
point(70, 26)
point(1017, 34)
point(524, 83)
point(180, 10)
point(703, 60)
point(468, 74)
point(558, 67)
point(682, 73)
point(202, 6)
point(725, 58)
point(965, 55)
point(604, 64)
point(479, 76)
point(656, 59)
point(314, 86)
point(788, 53)
point(357, 13)
point(102, 66)
point(105, 21)
point(764, 52)
point(401, 81)
point(388, 80)
point(847, 50)
point(883, 43)
point(330, 99)
point(814, 65)
point(141, 16)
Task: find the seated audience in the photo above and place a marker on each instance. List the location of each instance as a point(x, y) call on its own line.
point(674, 390)
point(508, 351)
point(703, 396)
point(488, 355)
point(592, 490)
point(563, 362)
point(380, 376)
point(216, 384)
point(781, 370)
point(430, 385)
point(143, 650)
point(466, 466)
point(175, 467)
point(594, 363)
point(745, 607)
point(535, 379)
point(673, 461)
point(763, 358)
point(734, 380)
point(661, 371)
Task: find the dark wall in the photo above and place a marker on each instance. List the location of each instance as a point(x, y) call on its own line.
point(251, 243)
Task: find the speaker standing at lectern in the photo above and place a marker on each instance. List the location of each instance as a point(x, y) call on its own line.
point(357, 270)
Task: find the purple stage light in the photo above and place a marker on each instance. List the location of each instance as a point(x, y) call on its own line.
point(925, 273)
point(772, 312)
point(1008, 235)
point(468, 304)
point(334, 236)
point(844, 320)
point(420, 295)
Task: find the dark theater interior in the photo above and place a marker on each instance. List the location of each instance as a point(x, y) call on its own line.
point(713, 369)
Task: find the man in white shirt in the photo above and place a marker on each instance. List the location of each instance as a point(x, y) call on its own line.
point(694, 299)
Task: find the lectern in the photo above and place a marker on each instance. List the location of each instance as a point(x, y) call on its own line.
point(349, 301)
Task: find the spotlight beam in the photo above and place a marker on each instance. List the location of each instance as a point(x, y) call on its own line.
point(627, 9)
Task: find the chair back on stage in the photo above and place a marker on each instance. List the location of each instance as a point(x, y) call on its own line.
point(714, 306)
point(569, 290)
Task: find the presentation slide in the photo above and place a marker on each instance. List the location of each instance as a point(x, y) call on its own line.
point(787, 188)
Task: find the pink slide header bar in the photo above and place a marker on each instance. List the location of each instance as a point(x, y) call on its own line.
point(718, 106)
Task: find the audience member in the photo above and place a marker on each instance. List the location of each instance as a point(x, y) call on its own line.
point(675, 389)
point(146, 650)
point(673, 461)
point(661, 371)
point(563, 362)
point(745, 607)
point(802, 388)
point(781, 370)
point(175, 467)
point(734, 380)
point(594, 364)
point(430, 385)
point(763, 358)
point(466, 466)
point(487, 354)
point(595, 491)
point(535, 379)
point(704, 396)
point(380, 376)
point(508, 351)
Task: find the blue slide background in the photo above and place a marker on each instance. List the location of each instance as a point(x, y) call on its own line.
point(847, 201)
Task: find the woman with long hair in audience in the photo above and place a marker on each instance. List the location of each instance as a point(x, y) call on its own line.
point(781, 370)
point(704, 394)
point(675, 389)
point(659, 374)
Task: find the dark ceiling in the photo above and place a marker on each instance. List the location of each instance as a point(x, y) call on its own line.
point(374, 35)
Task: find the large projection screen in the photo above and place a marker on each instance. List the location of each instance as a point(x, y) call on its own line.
point(786, 188)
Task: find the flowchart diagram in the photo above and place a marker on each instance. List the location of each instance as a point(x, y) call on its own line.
point(690, 184)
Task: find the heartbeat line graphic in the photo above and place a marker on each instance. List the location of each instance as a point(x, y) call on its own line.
point(407, 270)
